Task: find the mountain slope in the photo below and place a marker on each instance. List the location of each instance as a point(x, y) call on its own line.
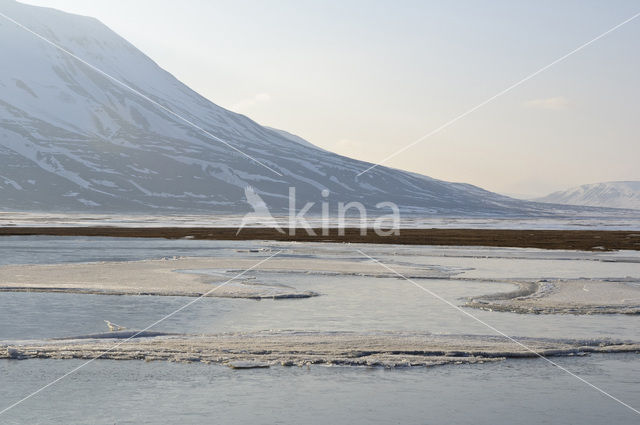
point(609, 194)
point(72, 139)
point(293, 137)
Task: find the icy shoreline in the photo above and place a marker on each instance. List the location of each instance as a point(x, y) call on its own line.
point(566, 296)
point(228, 278)
point(262, 349)
point(621, 220)
point(168, 277)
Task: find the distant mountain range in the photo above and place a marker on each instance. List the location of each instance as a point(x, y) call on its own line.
point(609, 194)
point(74, 139)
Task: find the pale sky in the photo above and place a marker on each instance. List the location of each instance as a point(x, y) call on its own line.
point(365, 78)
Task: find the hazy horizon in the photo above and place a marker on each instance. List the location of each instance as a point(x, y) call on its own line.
point(321, 72)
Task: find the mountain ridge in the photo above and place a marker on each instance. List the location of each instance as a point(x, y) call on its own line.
point(615, 194)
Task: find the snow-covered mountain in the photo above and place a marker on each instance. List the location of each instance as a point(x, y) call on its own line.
point(74, 139)
point(292, 137)
point(609, 194)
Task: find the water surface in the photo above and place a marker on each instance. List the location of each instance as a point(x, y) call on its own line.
point(133, 392)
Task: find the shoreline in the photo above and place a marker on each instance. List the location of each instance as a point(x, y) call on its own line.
point(266, 349)
point(582, 240)
point(564, 296)
point(180, 277)
point(211, 277)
